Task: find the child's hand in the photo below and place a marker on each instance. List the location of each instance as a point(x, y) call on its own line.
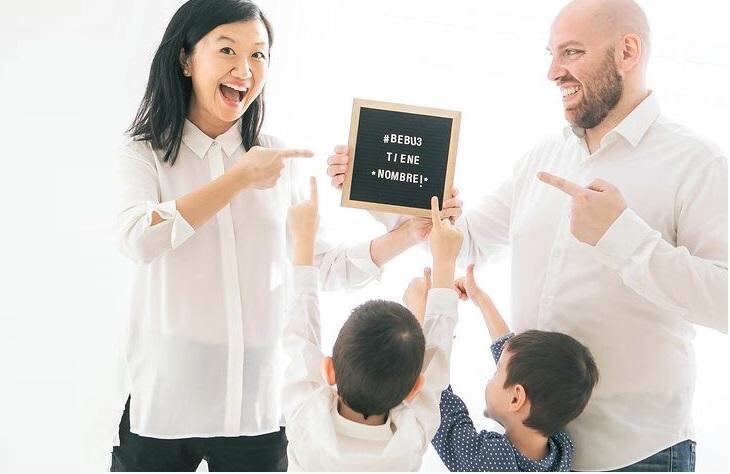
point(467, 287)
point(445, 239)
point(415, 295)
point(302, 220)
point(419, 228)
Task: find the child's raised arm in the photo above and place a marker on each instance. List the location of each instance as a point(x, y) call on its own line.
point(303, 220)
point(495, 323)
point(302, 335)
point(445, 241)
point(415, 295)
point(439, 320)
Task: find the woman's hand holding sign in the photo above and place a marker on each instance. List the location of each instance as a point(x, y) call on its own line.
point(337, 166)
point(595, 208)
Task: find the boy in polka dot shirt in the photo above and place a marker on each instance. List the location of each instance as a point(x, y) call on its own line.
point(543, 381)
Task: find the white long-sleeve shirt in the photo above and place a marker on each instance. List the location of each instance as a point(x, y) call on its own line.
point(631, 299)
point(207, 306)
point(320, 439)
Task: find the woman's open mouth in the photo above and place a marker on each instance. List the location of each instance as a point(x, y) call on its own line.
point(232, 94)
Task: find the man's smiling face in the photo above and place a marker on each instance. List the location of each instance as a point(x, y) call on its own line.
point(583, 68)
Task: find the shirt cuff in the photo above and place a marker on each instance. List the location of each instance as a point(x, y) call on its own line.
point(498, 345)
point(181, 229)
point(622, 239)
point(389, 220)
point(305, 279)
point(442, 302)
point(360, 256)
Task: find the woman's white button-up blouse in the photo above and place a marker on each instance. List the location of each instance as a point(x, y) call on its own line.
point(207, 306)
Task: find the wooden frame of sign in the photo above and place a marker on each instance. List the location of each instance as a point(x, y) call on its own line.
point(393, 156)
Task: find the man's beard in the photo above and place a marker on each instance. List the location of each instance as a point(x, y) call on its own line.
point(601, 93)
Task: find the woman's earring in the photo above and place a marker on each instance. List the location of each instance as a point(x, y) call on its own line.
point(186, 73)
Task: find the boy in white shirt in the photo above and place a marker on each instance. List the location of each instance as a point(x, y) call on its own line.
point(389, 371)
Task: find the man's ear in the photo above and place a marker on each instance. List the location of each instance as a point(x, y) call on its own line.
point(416, 388)
point(631, 49)
point(518, 398)
point(328, 370)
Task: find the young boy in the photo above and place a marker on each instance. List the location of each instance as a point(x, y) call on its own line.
point(543, 381)
point(389, 371)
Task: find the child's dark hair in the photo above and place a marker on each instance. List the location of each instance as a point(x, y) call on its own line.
point(558, 374)
point(378, 356)
point(161, 115)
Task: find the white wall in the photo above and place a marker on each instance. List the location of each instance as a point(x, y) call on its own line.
point(72, 74)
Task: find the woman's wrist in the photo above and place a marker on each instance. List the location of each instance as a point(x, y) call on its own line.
point(241, 178)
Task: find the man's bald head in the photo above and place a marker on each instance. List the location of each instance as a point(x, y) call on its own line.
point(600, 50)
point(611, 20)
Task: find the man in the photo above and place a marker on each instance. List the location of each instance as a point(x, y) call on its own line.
point(627, 260)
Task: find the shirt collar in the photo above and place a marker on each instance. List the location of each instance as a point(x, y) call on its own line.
point(350, 428)
point(199, 142)
point(633, 127)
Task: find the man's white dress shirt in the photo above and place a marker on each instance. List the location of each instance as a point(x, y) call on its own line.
point(634, 297)
point(320, 439)
point(203, 354)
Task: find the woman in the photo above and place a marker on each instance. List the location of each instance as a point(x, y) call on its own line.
point(204, 201)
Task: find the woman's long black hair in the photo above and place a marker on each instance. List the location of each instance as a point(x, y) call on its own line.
point(161, 115)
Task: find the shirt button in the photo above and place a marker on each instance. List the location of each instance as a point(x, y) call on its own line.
point(214, 143)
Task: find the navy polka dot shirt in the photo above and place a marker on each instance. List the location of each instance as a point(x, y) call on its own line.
point(462, 448)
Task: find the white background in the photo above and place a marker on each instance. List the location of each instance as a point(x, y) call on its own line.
point(72, 74)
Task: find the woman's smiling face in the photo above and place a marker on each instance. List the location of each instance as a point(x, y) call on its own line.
point(228, 68)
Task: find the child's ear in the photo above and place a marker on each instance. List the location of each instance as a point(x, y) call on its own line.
point(416, 388)
point(328, 370)
point(518, 398)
